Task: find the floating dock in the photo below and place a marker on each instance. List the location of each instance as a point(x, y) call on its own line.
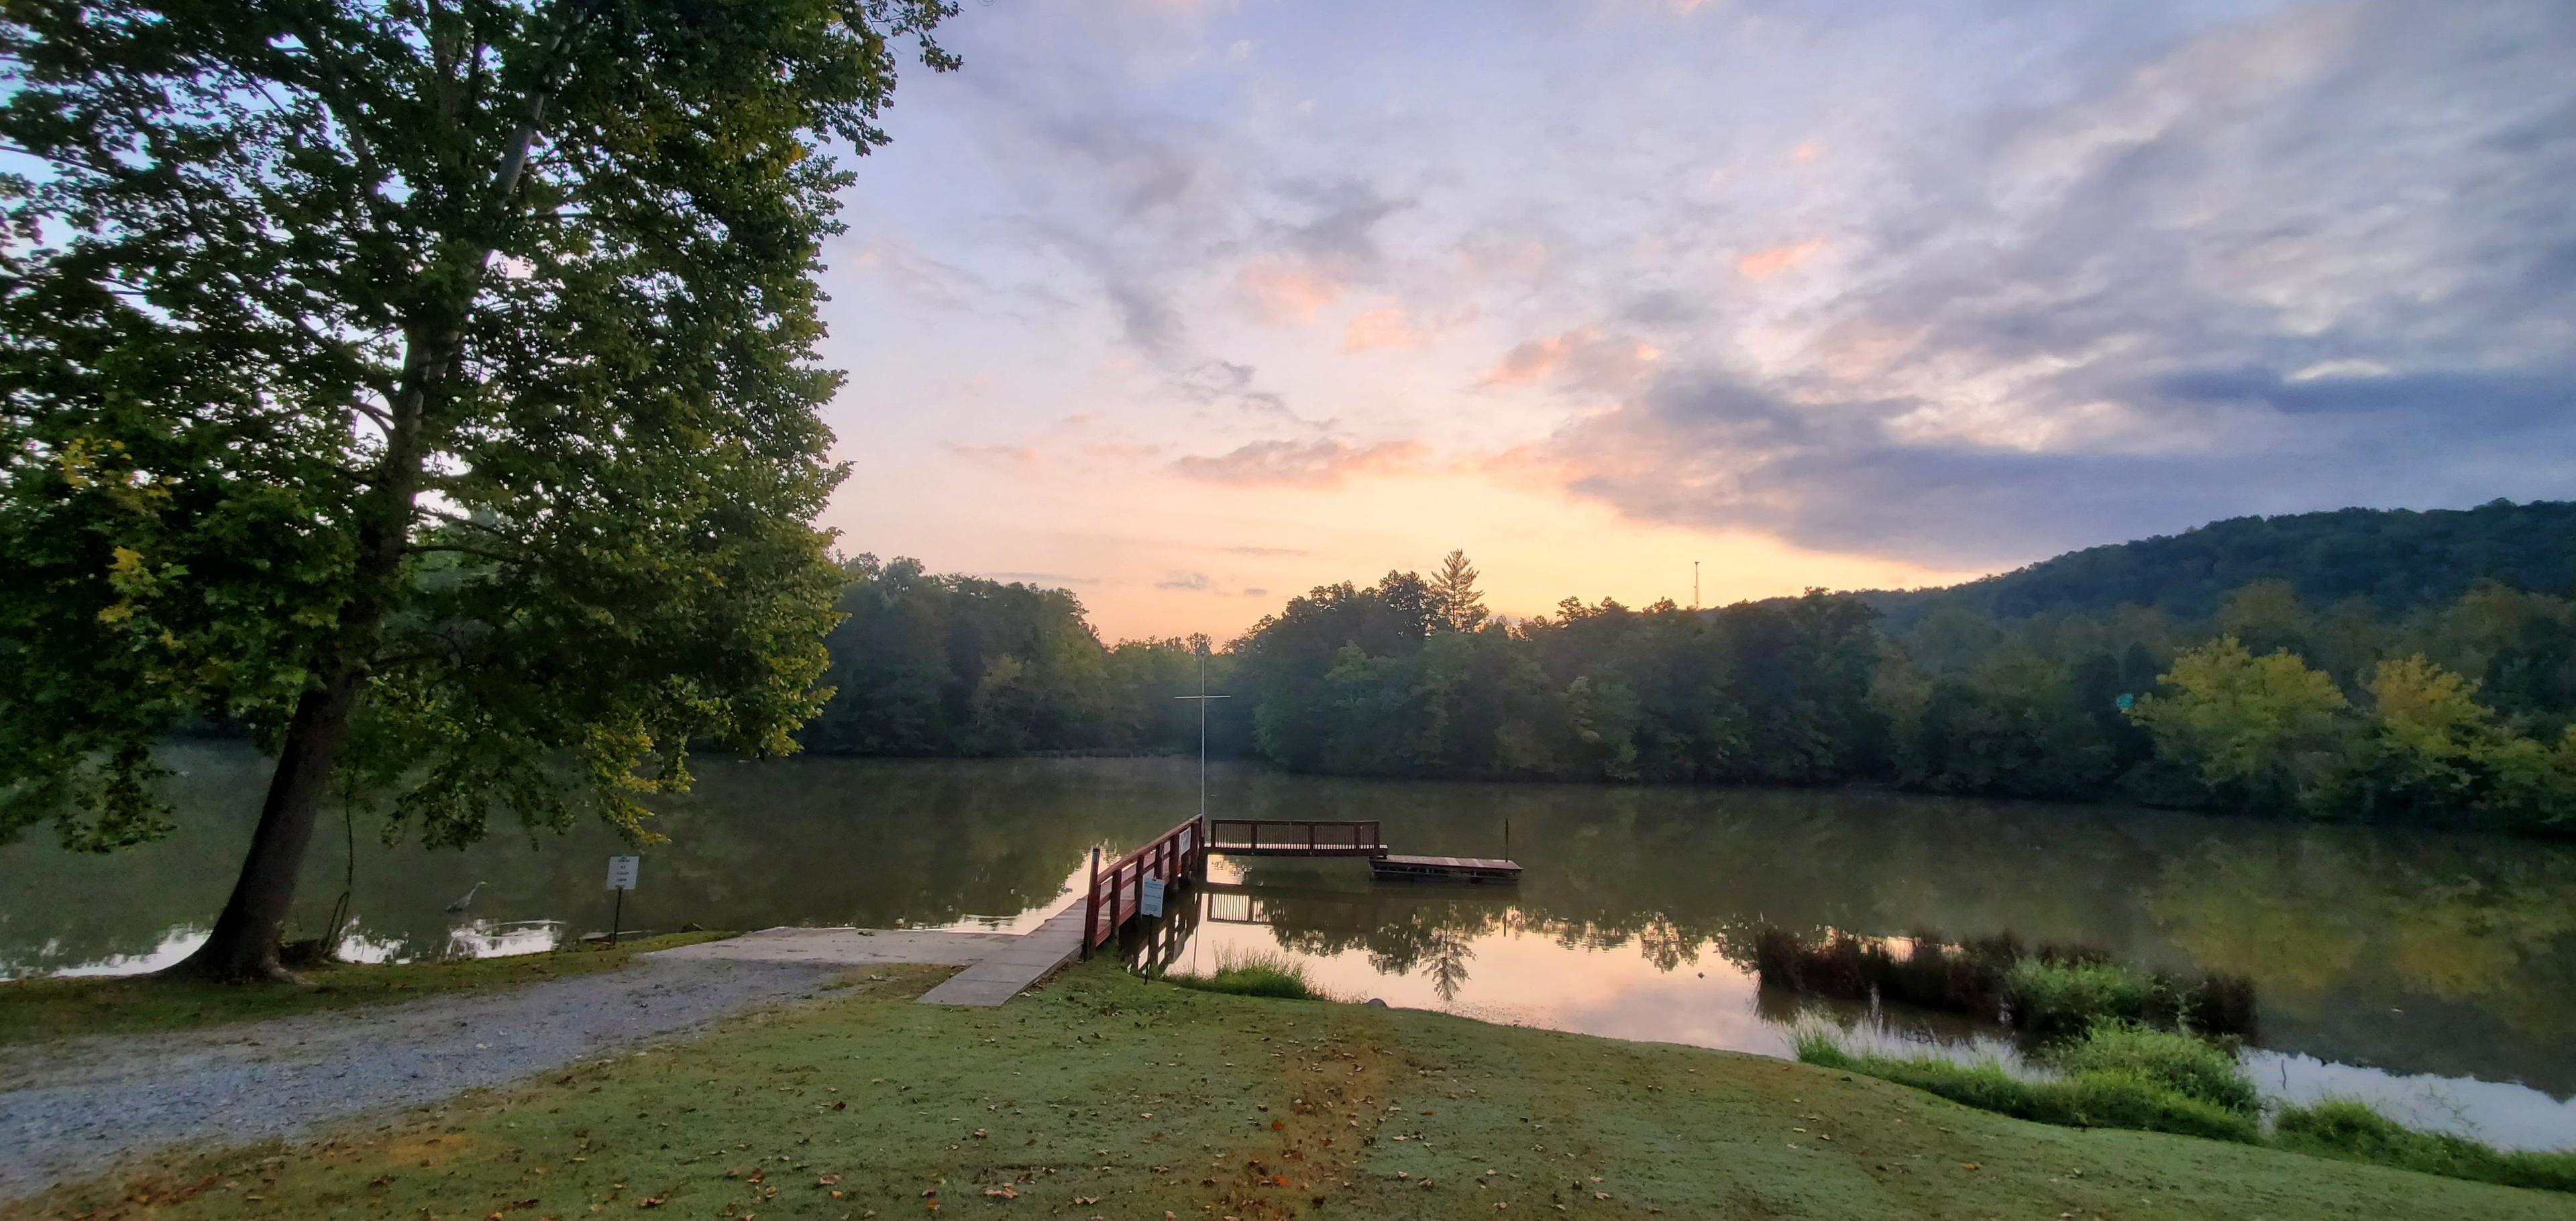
point(1360, 838)
point(1443, 869)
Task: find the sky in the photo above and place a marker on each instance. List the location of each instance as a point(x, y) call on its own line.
point(1188, 306)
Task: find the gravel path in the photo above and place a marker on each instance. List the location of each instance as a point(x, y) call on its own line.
point(72, 1110)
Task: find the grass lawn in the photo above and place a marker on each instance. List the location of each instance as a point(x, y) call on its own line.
point(1101, 1095)
point(37, 1010)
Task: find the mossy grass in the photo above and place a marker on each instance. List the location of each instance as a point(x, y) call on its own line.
point(2351, 1131)
point(45, 1009)
point(1259, 973)
point(1103, 1094)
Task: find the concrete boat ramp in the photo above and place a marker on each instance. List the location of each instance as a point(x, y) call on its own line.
point(998, 966)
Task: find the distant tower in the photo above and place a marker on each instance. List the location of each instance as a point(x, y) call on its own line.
point(1694, 584)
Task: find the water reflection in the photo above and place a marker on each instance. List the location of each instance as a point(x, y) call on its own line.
point(2421, 958)
point(1416, 949)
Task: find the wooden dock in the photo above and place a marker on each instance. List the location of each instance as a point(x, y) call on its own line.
point(1393, 868)
point(1362, 838)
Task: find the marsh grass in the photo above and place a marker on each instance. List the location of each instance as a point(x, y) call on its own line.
point(2048, 993)
point(2132, 1093)
point(2122, 1075)
point(2351, 1131)
point(1257, 973)
point(2192, 1067)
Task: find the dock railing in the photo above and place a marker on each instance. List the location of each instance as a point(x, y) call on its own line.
point(1295, 837)
point(1117, 891)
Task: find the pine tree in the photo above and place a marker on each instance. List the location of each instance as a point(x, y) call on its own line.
point(1457, 604)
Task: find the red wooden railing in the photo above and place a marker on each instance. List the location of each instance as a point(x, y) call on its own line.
point(1117, 890)
point(1278, 837)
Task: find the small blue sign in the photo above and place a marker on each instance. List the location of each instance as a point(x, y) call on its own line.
point(1150, 900)
point(2126, 701)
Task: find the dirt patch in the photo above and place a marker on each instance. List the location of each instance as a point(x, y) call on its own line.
point(1337, 1083)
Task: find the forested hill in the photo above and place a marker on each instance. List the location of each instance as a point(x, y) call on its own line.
point(2396, 559)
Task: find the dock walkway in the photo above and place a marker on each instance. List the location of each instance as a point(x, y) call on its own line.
point(998, 966)
point(1007, 971)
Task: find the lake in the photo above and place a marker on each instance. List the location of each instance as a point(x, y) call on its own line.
point(2433, 975)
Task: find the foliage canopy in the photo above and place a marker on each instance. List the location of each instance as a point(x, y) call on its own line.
point(427, 385)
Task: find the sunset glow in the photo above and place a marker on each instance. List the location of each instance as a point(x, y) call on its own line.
point(1188, 307)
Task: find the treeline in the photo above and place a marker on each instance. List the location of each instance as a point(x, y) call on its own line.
point(2393, 560)
point(2457, 713)
point(925, 664)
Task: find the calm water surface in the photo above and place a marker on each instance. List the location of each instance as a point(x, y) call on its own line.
point(2432, 975)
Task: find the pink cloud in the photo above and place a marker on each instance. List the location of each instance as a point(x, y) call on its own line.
point(1284, 293)
point(1772, 260)
point(1583, 354)
point(1004, 456)
point(1324, 463)
point(1380, 328)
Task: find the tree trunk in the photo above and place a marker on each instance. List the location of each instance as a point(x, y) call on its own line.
point(245, 940)
point(244, 943)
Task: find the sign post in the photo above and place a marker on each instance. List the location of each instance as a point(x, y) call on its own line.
point(1149, 897)
point(621, 878)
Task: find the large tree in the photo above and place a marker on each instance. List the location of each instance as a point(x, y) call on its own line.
point(426, 384)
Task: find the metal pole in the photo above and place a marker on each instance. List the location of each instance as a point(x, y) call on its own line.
point(616, 915)
point(1203, 734)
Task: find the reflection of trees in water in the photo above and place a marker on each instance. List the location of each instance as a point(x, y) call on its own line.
point(815, 841)
point(2474, 939)
point(2412, 951)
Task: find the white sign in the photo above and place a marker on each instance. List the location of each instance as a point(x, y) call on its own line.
point(621, 871)
point(1149, 901)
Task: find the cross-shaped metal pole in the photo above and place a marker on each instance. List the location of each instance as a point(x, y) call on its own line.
point(1203, 697)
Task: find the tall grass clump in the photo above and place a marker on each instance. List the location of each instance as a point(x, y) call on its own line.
point(2089, 1099)
point(2122, 1075)
point(1259, 973)
point(2054, 999)
point(2192, 1067)
point(2353, 1132)
point(2052, 992)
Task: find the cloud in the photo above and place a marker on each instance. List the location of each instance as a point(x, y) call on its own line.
point(1036, 578)
point(1268, 551)
point(1582, 356)
point(1772, 260)
point(1379, 328)
point(1282, 292)
point(1196, 582)
point(2314, 259)
point(1954, 283)
point(998, 456)
point(1323, 463)
point(1255, 591)
point(1844, 476)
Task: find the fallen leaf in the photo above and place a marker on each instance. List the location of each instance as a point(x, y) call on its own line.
point(1967, 1165)
point(649, 1202)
